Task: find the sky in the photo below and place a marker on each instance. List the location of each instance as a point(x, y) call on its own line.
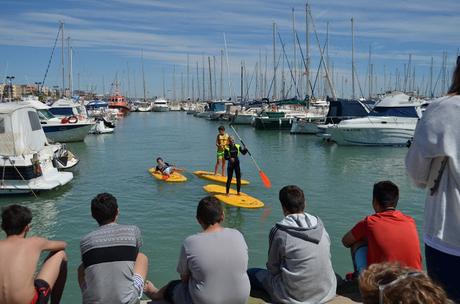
point(109, 36)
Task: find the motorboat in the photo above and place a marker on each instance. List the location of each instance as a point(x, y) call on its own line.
point(119, 103)
point(391, 122)
point(71, 126)
point(337, 110)
point(160, 105)
point(26, 158)
point(102, 126)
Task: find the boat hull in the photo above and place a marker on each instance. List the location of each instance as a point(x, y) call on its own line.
point(266, 123)
point(67, 132)
point(305, 127)
point(160, 109)
point(362, 136)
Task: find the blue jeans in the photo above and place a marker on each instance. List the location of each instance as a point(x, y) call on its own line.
point(444, 268)
point(256, 278)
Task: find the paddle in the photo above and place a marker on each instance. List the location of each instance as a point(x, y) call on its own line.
point(263, 176)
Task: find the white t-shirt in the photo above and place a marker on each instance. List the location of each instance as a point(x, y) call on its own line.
point(437, 136)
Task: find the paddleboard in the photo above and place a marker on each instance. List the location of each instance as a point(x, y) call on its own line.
point(243, 200)
point(218, 178)
point(176, 177)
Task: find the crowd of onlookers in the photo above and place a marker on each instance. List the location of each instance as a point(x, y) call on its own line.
point(213, 264)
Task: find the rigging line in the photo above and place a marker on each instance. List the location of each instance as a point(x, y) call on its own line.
point(273, 78)
point(289, 65)
point(51, 58)
point(19, 173)
point(304, 63)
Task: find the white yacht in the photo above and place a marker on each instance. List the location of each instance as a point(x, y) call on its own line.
point(391, 122)
point(160, 105)
point(69, 126)
point(27, 161)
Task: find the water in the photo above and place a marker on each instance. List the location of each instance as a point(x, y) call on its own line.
point(337, 182)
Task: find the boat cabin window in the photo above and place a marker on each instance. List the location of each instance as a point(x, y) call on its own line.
point(62, 111)
point(2, 125)
point(394, 111)
point(44, 114)
point(34, 121)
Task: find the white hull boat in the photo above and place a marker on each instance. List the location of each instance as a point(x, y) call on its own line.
point(27, 160)
point(391, 122)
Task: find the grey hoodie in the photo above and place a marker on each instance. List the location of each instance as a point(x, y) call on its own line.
point(299, 261)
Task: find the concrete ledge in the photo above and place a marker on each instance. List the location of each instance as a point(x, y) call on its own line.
point(336, 300)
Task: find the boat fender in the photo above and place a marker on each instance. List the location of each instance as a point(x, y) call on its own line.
point(64, 120)
point(72, 119)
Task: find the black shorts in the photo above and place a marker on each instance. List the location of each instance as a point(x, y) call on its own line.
point(169, 291)
point(42, 292)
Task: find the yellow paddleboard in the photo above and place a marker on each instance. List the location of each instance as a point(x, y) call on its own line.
point(173, 178)
point(218, 178)
point(243, 200)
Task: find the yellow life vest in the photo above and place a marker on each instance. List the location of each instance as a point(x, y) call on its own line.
point(222, 140)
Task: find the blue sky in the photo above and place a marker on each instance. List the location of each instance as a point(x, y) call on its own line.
point(108, 35)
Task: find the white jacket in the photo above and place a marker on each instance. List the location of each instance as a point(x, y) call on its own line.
point(437, 137)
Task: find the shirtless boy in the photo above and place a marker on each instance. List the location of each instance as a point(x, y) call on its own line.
point(19, 283)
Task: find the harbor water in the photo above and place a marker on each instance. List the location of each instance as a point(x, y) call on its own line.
point(337, 182)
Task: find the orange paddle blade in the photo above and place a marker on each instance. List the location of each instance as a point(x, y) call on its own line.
point(265, 179)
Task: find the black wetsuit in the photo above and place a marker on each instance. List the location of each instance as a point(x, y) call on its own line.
point(232, 152)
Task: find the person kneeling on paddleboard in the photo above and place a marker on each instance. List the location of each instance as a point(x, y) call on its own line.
point(231, 153)
point(165, 168)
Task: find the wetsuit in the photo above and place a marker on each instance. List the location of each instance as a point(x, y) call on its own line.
point(232, 151)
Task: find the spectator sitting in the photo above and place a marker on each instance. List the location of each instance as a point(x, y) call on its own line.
point(113, 269)
point(386, 236)
point(299, 268)
point(393, 283)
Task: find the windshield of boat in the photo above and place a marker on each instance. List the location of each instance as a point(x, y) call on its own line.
point(394, 111)
point(217, 107)
point(64, 111)
point(44, 114)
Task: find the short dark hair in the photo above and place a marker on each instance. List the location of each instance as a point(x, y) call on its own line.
point(104, 208)
point(159, 158)
point(386, 194)
point(292, 199)
point(209, 211)
point(15, 218)
point(221, 128)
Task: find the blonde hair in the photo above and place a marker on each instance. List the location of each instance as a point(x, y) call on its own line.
point(393, 283)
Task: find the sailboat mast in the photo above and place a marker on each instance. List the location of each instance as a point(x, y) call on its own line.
point(174, 82)
point(69, 50)
point(210, 78)
point(274, 61)
point(431, 78)
point(188, 76)
point(221, 74)
point(241, 83)
point(307, 38)
point(353, 96)
point(62, 58)
point(294, 64)
point(143, 75)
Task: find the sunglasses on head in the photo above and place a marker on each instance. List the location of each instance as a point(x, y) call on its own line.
point(396, 281)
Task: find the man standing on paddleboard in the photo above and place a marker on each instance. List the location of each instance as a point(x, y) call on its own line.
point(231, 154)
point(221, 143)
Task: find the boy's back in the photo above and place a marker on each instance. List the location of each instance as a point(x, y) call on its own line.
point(108, 255)
point(391, 236)
point(18, 261)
